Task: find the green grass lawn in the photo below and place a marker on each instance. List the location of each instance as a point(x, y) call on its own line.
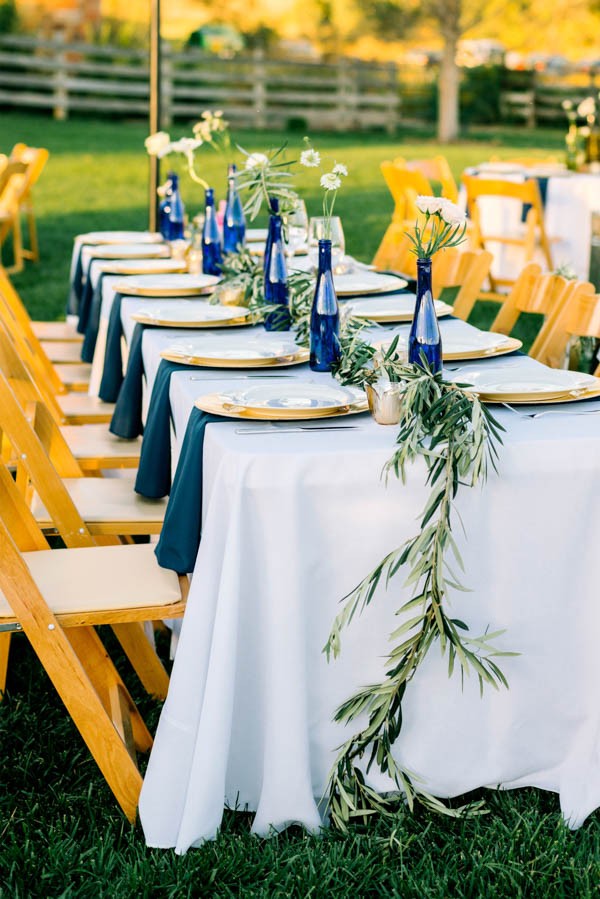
point(61, 834)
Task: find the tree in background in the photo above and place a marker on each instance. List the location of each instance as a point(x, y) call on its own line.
point(9, 17)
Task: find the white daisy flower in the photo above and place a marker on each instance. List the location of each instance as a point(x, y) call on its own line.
point(158, 144)
point(310, 158)
point(587, 108)
point(257, 161)
point(340, 169)
point(330, 181)
point(429, 205)
point(451, 213)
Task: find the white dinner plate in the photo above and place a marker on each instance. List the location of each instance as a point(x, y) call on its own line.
point(233, 347)
point(127, 250)
point(256, 235)
point(295, 396)
point(400, 308)
point(167, 285)
point(547, 381)
point(142, 266)
point(189, 313)
point(110, 237)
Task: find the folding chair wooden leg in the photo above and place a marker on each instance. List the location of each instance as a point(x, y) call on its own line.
point(108, 685)
point(143, 657)
point(33, 252)
point(70, 679)
point(17, 237)
point(4, 651)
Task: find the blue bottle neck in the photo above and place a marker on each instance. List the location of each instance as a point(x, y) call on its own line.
point(324, 256)
point(209, 199)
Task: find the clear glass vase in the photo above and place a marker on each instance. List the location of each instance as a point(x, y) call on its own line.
point(234, 222)
point(425, 341)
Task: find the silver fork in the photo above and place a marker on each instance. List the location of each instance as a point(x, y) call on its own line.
point(551, 412)
point(296, 429)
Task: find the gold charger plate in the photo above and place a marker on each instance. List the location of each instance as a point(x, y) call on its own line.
point(153, 251)
point(119, 268)
point(573, 396)
point(213, 402)
point(297, 358)
point(403, 318)
point(240, 321)
point(509, 346)
point(164, 292)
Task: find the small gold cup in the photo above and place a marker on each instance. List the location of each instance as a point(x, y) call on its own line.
point(385, 401)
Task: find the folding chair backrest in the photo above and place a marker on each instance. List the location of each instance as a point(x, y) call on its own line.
point(466, 270)
point(531, 292)
point(527, 193)
point(577, 316)
point(22, 378)
point(25, 340)
point(34, 462)
point(405, 186)
point(433, 169)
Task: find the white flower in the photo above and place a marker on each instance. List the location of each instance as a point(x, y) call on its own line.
point(451, 213)
point(587, 108)
point(203, 131)
point(186, 146)
point(567, 104)
point(310, 158)
point(429, 205)
point(158, 144)
point(340, 169)
point(257, 161)
point(330, 181)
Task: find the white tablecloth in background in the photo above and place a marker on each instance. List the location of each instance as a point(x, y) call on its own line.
point(290, 524)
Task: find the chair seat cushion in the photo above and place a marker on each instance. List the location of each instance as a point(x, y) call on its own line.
point(96, 441)
point(82, 404)
point(96, 578)
point(63, 351)
point(56, 331)
point(105, 500)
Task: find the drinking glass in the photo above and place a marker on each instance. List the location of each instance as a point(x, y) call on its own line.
point(316, 232)
point(296, 228)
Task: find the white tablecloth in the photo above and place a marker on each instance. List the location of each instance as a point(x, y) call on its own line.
point(291, 522)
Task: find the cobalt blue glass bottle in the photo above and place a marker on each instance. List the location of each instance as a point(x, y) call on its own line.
point(276, 286)
point(164, 207)
point(273, 213)
point(234, 223)
point(324, 316)
point(175, 222)
point(211, 241)
point(424, 341)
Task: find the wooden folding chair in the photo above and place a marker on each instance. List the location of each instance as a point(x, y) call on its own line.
point(61, 378)
point(529, 236)
point(435, 169)
point(94, 447)
point(20, 174)
point(466, 271)
point(405, 186)
point(55, 483)
point(577, 316)
point(57, 598)
point(533, 291)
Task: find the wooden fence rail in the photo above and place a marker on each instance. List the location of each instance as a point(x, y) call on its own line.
point(254, 91)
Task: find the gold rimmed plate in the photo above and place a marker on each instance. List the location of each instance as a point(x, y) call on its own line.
point(144, 267)
point(96, 238)
point(215, 404)
point(168, 285)
point(397, 309)
point(129, 251)
point(508, 346)
point(193, 314)
point(277, 361)
point(536, 384)
point(574, 396)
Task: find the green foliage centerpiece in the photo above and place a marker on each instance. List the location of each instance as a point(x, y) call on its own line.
point(457, 437)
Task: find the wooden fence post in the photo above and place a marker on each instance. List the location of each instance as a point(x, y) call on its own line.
point(60, 94)
point(166, 83)
point(393, 99)
point(343, 111)
point(259, 89)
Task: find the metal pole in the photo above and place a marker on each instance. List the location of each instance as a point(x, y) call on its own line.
point(155, 112)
